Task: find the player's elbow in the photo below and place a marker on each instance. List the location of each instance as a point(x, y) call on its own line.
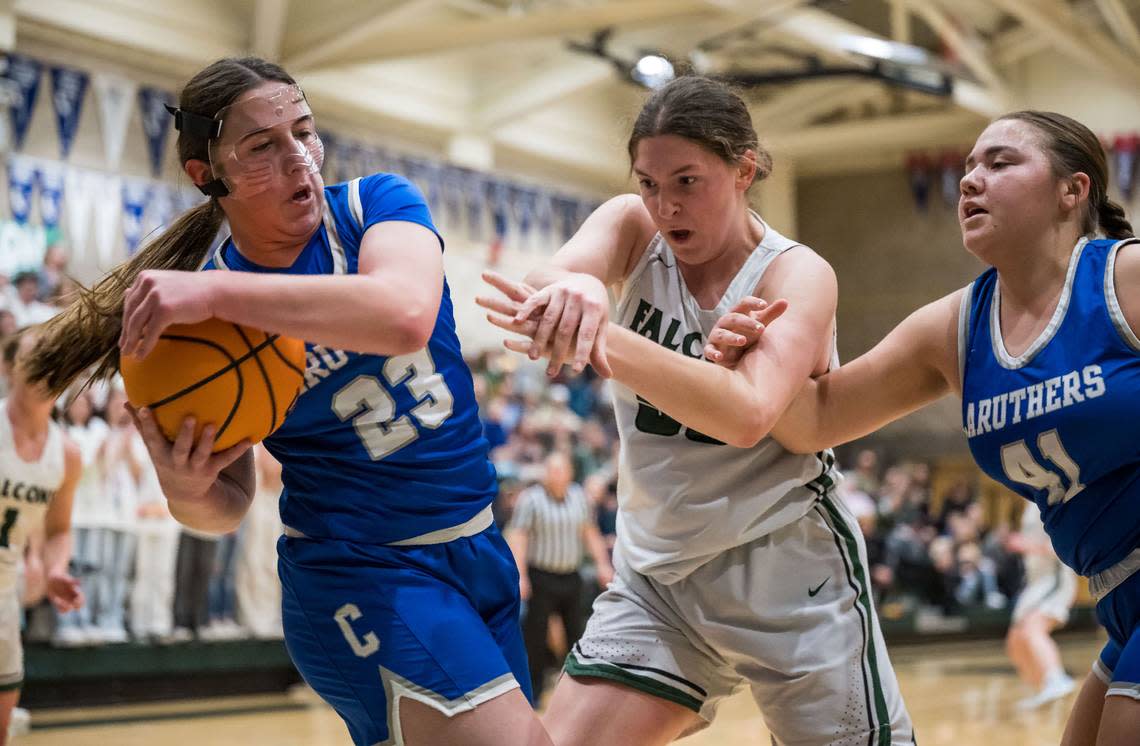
point(752, 422)
point(413, 329)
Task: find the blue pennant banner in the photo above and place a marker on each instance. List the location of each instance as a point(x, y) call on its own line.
point(136, 194)
point(22, 75)
point(50, 176)
point(68, 87)
point(156, 124)
point(21, 182)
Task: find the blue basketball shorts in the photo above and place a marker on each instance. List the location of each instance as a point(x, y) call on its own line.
point(371, 625)
point(1119, 663)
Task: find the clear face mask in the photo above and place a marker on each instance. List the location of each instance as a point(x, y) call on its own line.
point(256, 143)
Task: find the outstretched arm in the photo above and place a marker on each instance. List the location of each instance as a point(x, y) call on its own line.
point(739, 406)
point(914, 365)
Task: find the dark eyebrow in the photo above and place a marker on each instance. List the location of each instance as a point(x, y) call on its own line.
point(686, 167)
point(991, 152)
point(298, 120)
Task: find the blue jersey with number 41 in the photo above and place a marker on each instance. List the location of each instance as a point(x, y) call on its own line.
point(1058, 423)
point(376, 449)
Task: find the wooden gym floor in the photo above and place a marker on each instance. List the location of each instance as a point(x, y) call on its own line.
point(957, 693)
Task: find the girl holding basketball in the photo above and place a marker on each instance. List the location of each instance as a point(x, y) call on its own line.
point(400, 598)
point(1042, 348)
point(736, 564)
point(39, 469)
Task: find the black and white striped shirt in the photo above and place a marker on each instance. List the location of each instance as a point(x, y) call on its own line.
point(553, 527)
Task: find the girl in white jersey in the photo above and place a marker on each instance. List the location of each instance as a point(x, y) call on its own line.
point(736, 565)
point(1034, 206)
point(1042, 606)
point(39, 468)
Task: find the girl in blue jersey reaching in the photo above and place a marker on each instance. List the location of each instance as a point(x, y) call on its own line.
point(1042, 348)
point(400, 598)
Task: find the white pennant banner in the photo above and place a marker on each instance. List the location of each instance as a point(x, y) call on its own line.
point(79, 188)
point(116, 96)
point(109, 241)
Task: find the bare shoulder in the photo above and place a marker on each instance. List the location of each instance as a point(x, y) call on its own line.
point(800, 271)
point(1126, 280)
point(72, 457)
point(637, 221)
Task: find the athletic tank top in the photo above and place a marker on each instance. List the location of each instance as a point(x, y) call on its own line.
point(684, 497)
point(26, 488)
point(1057, 424)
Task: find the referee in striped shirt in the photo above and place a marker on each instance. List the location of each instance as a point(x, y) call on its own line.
point(552, 525)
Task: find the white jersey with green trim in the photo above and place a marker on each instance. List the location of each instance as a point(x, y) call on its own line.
point(684, 497)
point(26, 489)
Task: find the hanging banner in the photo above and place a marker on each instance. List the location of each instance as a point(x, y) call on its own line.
point(567, 210)
point(68, 87)
point(21, 182)
point(431, 182)
point(156, 124)
point(919, 168)
point(115, 96)
point(476, 202)
point(522, 212)
point(80, 187)
point(50, 177)
point(544, 217)
point(108, 208)
point(953, 169)
point(451, 184)
point(1124, 163)
point(160, 209)
point(499, 196)
point(136, 194)
point(23, 76)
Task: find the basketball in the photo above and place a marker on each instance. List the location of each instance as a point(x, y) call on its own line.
point(242, 380)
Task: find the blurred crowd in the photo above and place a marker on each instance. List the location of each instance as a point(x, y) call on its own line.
point(946, 558)
point(145, 577)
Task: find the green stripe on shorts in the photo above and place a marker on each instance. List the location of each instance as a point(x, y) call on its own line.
point(614, 672)
point(11, 686)
point(864, 600)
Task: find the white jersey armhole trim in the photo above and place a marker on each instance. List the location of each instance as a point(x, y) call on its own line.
point(964, 332)
point(1114, 310)
point(339, 258)
point(651, 250)
point(354, 204)
point(219, 258)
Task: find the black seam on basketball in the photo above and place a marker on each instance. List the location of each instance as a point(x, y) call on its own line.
point(288, 363)
point(235, 363)
point(264, 377)
point(237, 402)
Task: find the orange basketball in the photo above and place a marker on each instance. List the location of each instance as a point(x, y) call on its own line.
point(242, 380)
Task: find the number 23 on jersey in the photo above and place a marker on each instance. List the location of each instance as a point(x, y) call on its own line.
point(367, 402)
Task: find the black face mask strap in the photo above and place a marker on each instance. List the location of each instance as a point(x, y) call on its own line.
point(197, 125)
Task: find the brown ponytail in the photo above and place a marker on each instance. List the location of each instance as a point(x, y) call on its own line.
point(86, 334)
point(1113, 221)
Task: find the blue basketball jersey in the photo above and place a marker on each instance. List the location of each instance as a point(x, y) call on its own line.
point(1057, 424)
point(376, 449)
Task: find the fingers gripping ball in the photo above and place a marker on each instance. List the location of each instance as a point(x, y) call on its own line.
point(242, 380)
